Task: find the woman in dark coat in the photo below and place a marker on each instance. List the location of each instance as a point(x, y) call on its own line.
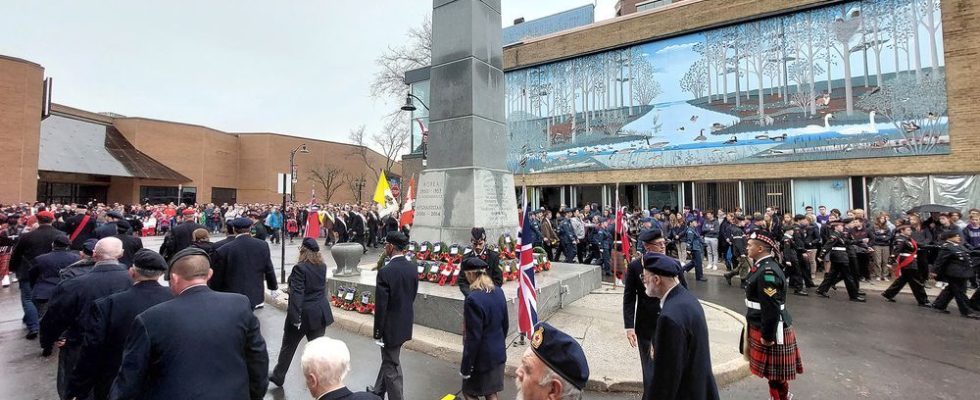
point(485, 330)
point(308, 313)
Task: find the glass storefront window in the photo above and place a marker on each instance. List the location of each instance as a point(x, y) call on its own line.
point(420, 117)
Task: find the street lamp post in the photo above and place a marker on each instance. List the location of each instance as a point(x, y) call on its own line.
point(410, 106)
point(282, 212)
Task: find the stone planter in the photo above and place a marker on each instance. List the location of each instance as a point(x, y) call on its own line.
point(347, 256)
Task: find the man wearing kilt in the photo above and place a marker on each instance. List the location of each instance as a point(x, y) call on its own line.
point(773, 353)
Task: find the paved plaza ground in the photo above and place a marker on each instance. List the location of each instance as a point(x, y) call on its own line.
point(875, 350)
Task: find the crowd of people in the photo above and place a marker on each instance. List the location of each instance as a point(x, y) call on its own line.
point(90, 290)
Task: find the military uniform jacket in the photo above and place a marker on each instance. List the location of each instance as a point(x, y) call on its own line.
point(737, 236)
point(837, 246)
point(179, 238)
point(492, 258)
point(485, 331)
point(640, 312)
point(790, 251)
point(45, 275)
point(131, 244)
point(765, 298)
point(106, 326)
point(682, 361)
point(31, 245)
point(72, 299)
point(953, 261)
point(87, 232)
point(602, 239)
point(307, 300)
point(345, 394)
point(566, 233)
point(397, 285)
point(201, 345)
point(904, 245)
point(241, 266)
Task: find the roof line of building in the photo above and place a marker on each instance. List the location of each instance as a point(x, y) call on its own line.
point(21, 60)
point(77, 113)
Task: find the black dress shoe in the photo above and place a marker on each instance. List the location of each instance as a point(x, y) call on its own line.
point(31, 335)
point(889, 299)
point(277, 381)
point(801, 293)
point(701, 280)
point(940, 310)
point(823, 294)
point(860, 293)
point(971, 316)
point(926, 305)
point(858, 299)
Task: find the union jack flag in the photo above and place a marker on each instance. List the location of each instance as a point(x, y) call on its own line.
point(527, 298)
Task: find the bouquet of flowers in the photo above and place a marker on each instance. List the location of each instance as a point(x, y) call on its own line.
point(541, 262)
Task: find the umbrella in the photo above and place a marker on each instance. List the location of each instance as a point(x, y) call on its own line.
point(931, 208)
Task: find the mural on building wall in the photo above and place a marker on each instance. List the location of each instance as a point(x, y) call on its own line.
point(853, 80)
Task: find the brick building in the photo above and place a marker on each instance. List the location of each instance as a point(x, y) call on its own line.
point(56, 153)
point(831, 155)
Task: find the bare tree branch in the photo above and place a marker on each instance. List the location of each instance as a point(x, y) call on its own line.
point(329, 178)
point(389, 80)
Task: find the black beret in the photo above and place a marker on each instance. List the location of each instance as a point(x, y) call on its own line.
point(122, 226)
point(114, 214)
point(949, 234)
point(149, 260)
point(478, 233)
point(187, 252)
point(473, 264)
point(650, 235)
point(661, 264)
point(61, 242)
point(397, 239)
point(311, 244)
point(561, 353)
point(241, 223)
point(89, 246)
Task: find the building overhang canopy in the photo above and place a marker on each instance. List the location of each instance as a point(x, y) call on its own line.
point(84, 147)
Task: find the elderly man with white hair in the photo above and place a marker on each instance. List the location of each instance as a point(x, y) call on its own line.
point(73, 298)
point(326, 363)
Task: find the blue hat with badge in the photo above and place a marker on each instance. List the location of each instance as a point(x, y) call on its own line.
point(241, 223)
point(561, 353)
point(661, 264)
point(651, 235)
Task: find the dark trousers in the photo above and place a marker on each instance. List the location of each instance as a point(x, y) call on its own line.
point(390, 375)
point(697, 263)
point(549, 250)
point(723, 247)
point(795, 276)
point(912, 279)
point(922, 263)
point(955, 290)
point(863, 261)
point(580, 249)
point(804, 267)
point(68, 356)
point(290, 341)
point(593, 253)
point(644, 344)
point(568, 249)
point(839, 272)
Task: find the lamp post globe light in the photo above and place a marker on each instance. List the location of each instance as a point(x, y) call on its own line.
point(302, 149)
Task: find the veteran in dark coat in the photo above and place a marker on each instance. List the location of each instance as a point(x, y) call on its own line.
point(485, 325)
point(479, 250)
point(73, 298)
point(80, 227)
point(242, 264)
point(395, 292)
point(308, 313)
point(202, 345)
point(28, 247)
point(552, 350)
point(108, 322)
point(44, 275)
point(181, 235)
point(682, 356)
point(131, 244)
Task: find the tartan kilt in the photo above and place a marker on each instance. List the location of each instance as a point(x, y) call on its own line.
point(779, 362)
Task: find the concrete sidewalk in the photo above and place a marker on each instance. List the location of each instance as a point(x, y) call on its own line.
point(596, 321)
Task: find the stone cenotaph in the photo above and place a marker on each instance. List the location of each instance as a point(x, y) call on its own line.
point(466, 183)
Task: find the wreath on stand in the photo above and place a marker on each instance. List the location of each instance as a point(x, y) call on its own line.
point(439, 251)
point(450, 270)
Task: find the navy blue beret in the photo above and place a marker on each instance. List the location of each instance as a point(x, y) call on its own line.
point(651, 235)
point(661, 264)
point(149, 260)
point(561, 353)
point(241, 223)
point(473, 264)
point(311, 244)
point(89, 246)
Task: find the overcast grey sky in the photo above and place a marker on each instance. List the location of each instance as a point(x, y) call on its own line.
point(296, 67)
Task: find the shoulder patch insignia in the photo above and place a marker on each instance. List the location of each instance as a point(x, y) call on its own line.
point(769, 292)
point(770, 278)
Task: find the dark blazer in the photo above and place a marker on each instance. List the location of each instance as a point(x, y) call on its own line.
point(492, 258)
point(345, 394)
point(31, 245)
point(87, 232)
point(179, 238)
point(44, 274)
point(131, 244)
point(397, 285)
point(106, 327)
point(308, 304)
point(73, 298)
point(682, 359)
point(485, 331)
point(953, 261)
point(240, 266)
point(640, 312)
point(176, 350)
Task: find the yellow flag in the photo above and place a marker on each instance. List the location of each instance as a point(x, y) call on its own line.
point(382, 193)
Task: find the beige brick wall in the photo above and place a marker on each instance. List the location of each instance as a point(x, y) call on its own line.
point(961, 33)
point(21, 87)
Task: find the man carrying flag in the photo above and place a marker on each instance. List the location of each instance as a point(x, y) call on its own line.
point(527, 303)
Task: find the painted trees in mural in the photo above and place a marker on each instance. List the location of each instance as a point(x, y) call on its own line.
point(845, 81)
